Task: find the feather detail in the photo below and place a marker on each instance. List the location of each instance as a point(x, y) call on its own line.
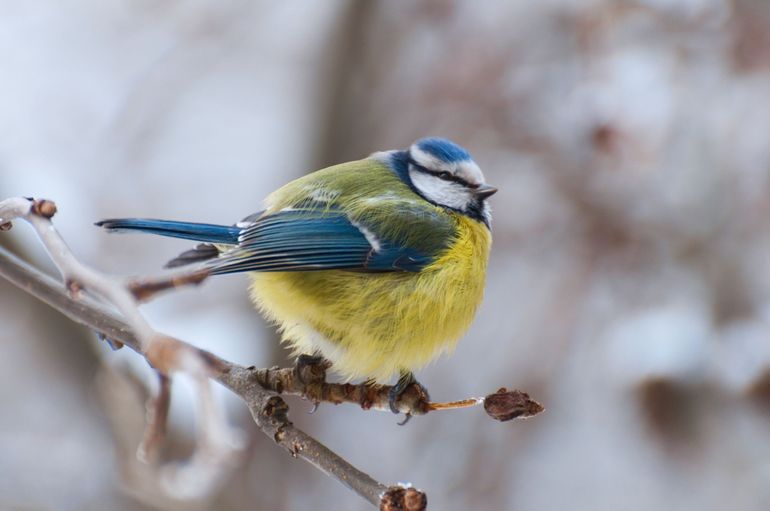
point(211, 233)
point(202, 252)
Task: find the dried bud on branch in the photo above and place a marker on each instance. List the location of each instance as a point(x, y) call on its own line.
point(44, 208)
point(505, 405)
point(399, 498)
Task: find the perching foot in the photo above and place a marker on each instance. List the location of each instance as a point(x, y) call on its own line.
point(405, 381)
point(311, 368)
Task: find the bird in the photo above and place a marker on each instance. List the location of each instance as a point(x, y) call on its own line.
point(376, 266)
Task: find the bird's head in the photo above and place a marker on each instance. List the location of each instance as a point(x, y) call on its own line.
point(445, 174)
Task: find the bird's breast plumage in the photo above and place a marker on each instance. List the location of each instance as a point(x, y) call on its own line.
point(372, 325)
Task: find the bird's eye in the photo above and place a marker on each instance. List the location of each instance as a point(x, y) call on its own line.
point(446, 176)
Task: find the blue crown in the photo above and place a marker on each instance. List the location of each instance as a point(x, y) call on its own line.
point(443, 149)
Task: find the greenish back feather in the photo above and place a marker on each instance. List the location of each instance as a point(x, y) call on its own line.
point(374, 197)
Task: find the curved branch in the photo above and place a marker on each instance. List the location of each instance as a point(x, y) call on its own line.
point(269, 411)
point(166, 355)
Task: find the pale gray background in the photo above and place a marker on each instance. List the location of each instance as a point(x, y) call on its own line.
point(628, 288)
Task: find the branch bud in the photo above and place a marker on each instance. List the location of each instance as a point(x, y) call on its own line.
point(505, 405)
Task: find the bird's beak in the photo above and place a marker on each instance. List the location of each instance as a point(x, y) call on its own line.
point(485, 191)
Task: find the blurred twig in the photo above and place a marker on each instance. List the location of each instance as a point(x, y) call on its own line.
point(217, 445)
point(257, 387)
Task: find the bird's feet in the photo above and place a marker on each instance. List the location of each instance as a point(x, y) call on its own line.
point(405, 381)
point(311, 368)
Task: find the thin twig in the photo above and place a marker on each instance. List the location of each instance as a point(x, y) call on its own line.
point(157, 418)
point(217, 447)
point(312, 385)
point(145, 289)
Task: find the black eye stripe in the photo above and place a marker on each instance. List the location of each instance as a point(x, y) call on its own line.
point(439, 173)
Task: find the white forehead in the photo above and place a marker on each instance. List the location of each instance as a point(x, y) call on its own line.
point(467, 170)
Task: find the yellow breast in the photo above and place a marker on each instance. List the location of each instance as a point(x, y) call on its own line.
point(372, 325)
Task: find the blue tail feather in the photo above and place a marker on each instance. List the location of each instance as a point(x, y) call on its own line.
point(210, 233)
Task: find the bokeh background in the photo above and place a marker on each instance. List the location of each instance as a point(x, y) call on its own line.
point(628, 288)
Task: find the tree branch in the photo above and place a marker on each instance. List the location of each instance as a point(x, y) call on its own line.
point(259, 388)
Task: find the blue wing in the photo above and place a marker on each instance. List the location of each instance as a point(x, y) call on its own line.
point(307, 239)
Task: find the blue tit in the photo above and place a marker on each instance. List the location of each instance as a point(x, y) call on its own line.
point(376, 265)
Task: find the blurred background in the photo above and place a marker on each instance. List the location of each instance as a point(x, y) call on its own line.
point(628, 287)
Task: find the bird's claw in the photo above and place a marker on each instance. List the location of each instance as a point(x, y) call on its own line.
point(396, 391)
point(311, 368)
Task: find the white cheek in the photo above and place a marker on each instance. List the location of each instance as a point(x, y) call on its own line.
point(445, 193)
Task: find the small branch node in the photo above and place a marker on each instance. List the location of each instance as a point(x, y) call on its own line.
point(275, 408)
point(367, 395)
point(401, 498)
point(74, 288)
point(44, 207)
